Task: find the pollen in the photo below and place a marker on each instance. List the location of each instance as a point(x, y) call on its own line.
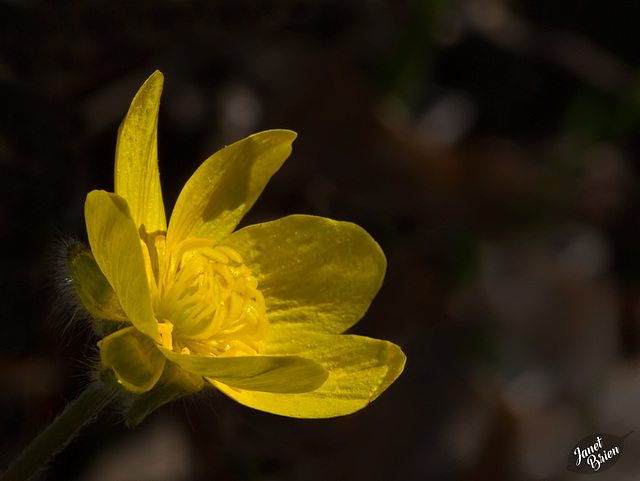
point(209, 302)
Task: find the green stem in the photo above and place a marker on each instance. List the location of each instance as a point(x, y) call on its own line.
point(59, 433)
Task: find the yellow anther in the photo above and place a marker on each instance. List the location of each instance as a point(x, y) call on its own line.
point(230, 253)
point(210, 302)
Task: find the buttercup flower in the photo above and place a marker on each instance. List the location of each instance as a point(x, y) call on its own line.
point(257, 313)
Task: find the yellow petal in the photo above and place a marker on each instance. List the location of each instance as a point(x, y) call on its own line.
point(133, 358)
point(315, 273)
point(360, 369)
point(226, 185)
point(136, 171)
point(256, 373)
point(115, 245)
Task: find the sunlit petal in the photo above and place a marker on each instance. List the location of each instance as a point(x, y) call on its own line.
point(115, 245)
point(315, 273)
point(136, 168)
point(360, 369)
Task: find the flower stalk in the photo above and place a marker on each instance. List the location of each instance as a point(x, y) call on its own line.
point(59, 433)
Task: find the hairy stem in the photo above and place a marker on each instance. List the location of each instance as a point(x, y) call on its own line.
point(59, 433)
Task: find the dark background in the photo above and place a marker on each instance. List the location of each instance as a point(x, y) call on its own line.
point(489, 146)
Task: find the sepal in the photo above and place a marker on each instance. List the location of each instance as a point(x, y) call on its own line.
point(92, 287)
point(174, 382)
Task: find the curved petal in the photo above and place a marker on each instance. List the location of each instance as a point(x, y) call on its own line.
point(316, 274)
point(360, 369)
point(136, 171)
point(115, 245)
point(133, 358)
point(226, 185)
point(288, 374)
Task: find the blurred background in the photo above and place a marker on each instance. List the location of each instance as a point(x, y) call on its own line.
point(489, 146)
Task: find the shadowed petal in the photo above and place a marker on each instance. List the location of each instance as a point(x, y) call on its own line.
point(226, 185)
point(256, 373)
point(133, 358)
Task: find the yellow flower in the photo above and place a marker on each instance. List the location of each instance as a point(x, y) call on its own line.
point(257, 313)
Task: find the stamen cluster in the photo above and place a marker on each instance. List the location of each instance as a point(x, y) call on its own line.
point(207, 302)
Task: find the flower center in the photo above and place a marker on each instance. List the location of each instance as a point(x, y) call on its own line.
point(209, 303)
